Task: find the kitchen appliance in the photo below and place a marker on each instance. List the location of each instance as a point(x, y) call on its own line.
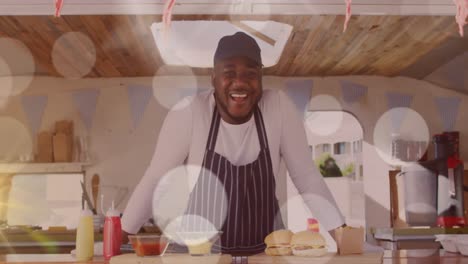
point(434, 189)
point(450, 180)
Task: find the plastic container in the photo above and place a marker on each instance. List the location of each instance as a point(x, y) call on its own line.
point(420, 189)
point(448, 242)
point(199, 243)
point(85, 237)
point(112, 233)
point(149, 245)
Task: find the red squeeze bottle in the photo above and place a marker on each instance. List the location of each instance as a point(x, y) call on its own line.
point(112, 233)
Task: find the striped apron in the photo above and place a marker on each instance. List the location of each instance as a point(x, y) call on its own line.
point(245, 205)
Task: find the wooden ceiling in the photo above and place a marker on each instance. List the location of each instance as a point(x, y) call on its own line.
point(372, 45)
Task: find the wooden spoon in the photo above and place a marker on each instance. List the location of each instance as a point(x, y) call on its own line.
point(95, 189)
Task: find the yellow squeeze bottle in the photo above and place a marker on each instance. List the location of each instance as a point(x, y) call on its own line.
point(85, 237)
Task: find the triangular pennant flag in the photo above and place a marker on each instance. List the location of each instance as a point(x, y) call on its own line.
point(448, 110)
point(300, 91)
point(352, 92)
point(34, 106)
point(86, 101)
point(395, 100)
point(138, 97)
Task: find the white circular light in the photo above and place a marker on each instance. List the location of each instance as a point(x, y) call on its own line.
point(175, 191)
point(15, 59)
point(325, 116)
point(167, 92)
point(15, 141)
point(401, 136)
point(73, 55)
point(6, 82)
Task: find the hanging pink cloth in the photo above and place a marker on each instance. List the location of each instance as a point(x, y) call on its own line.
point(348, 14)
point(462, 13)
point(167, 14)
point(58, 7)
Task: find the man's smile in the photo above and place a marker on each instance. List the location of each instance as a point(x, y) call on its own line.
point(238, 97)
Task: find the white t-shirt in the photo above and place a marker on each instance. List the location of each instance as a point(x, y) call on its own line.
point(183, 138)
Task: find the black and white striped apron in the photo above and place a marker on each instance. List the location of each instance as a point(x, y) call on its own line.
point(252, 208)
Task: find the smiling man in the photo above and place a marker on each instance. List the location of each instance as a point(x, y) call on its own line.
point(239, 133)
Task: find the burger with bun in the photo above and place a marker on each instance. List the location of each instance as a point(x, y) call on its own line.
point(308, 244)
point(278, 243)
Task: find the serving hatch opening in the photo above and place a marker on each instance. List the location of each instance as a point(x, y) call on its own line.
point(193, 43)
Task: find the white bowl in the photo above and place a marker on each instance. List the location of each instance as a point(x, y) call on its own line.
point(449, 242)
point(199, 243)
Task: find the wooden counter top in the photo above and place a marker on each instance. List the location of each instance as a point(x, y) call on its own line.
point(46, 258)
point(389, 257)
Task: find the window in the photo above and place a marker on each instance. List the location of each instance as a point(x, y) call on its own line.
point(322, 149)
point(357, 146)
point(338, 156)
point(344, 136)
point(341, 148)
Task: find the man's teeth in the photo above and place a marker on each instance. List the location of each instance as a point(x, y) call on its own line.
point(239, 95)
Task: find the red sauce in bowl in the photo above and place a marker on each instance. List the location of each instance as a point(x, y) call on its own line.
point(149, 249)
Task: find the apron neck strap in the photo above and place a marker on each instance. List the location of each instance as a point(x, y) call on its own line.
point(261, 131)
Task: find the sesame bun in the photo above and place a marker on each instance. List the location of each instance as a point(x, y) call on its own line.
point(278, 243)
point(308, 244)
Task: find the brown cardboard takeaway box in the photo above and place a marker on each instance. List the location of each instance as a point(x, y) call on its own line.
point(350, 240)
point(63, 141)
point(64, 126)
point(62, 147)
point(44, 147)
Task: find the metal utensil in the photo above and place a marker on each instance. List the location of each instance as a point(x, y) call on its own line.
point(87, 199)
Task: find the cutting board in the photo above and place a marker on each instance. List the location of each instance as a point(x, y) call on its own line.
point(171, 259)
point(370, 258)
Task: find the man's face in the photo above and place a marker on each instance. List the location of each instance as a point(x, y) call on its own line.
point(238, 88)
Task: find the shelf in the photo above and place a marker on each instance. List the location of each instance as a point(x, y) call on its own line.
point(58, 167)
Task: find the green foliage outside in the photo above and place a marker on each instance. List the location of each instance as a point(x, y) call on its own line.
point(349, 169)
point(328, 167)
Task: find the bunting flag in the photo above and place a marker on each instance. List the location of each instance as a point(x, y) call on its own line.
point(85, 101)
point(34, 106)
point(300, 91)
point(138, 98)
point(352, 92)
point(395, 100)
point(448, 110)
point(58, 7)
point(348, 14)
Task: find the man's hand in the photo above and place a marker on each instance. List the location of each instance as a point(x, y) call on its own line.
point(332, 232)
point(124, 237)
